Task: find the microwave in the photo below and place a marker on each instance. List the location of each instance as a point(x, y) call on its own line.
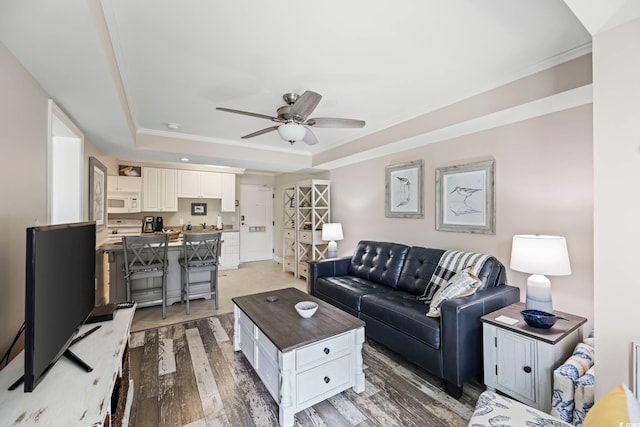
point(123, 203)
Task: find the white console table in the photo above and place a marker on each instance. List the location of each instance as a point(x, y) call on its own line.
point(67, 395)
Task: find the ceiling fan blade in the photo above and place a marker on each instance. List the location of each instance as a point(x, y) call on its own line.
point(246, 113)
point(310, 138)
point(332, 122)
point(304, 105)
point(260, 132)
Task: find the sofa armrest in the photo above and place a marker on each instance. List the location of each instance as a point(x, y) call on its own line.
point(326, 268)
point(461, 330)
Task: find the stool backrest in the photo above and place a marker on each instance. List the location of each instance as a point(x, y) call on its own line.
point(201, 249)
point(145, 253)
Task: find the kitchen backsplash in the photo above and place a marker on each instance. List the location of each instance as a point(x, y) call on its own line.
point(172, 219)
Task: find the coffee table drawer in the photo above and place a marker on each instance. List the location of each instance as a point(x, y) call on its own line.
point(323, 351)
point(324, 379)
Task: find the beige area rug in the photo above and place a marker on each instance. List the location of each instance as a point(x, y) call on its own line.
point(250, 278)
point(188, 374)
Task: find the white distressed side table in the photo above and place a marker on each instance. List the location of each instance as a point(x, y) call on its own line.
point(519, 359)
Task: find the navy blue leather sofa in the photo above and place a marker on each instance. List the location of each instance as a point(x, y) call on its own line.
point(380, 283)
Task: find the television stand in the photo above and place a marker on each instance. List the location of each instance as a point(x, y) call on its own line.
point(69, 355)
point(66, 395)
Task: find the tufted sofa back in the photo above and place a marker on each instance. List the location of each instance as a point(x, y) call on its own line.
point(380, 262)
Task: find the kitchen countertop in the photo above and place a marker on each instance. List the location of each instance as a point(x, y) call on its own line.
point(108, 246)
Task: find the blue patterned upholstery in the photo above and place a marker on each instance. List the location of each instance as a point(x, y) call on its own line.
point(494, 410)
point(574, 385)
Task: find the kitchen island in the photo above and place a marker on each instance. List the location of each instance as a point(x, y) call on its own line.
point(118, 283)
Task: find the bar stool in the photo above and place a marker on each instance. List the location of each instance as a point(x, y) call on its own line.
point(146, 257)
point(200, 253)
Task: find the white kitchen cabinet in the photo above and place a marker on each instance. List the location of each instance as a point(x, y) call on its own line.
point(199, 184)
point(519, 360)
point(124, 184)
point(230, 250)
point(159, 190)
point(228, 203)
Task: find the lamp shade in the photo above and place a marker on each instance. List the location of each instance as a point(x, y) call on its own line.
point(539, 254)
point(292, 132)
point(332, 231)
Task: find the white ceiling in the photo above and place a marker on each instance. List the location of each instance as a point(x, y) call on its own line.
point(123, 69)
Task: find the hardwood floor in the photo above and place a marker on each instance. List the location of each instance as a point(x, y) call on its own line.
point(187, 374)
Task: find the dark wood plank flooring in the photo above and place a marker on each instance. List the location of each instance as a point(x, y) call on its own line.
point(188, 375)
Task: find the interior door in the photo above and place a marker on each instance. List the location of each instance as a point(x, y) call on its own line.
point(256, 223)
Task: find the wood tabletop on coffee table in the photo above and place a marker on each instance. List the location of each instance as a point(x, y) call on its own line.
point(285, 328)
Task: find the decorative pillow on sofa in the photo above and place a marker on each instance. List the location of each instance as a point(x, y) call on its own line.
point(616, 408)
point(462, 283)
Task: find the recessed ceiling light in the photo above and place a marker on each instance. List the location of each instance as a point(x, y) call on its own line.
point(185, 159)
point(173, 126)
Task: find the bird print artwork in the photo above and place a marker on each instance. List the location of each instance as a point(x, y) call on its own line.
point(466, 208)
point(404, 191)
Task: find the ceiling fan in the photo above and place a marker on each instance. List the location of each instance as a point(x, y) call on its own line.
point(293, 118)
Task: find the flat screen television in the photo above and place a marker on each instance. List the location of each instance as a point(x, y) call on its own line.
point(60, 292)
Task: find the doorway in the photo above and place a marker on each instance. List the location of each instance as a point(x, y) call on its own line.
point(66, 168)
point(256, 222)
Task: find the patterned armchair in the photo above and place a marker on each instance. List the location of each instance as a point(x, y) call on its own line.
point(574, 385)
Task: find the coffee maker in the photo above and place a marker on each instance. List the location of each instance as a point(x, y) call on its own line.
point(158, 224)
point(147, 224)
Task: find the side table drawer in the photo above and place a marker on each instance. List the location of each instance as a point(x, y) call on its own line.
point(289, 233)
point(323, 379)
point(323, 351)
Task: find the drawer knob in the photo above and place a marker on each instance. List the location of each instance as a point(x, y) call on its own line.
point(527, 369)
point(327, 379)
point(326, 350)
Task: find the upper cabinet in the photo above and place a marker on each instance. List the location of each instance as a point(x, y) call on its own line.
point(159, 190)
point(124, 184)
point(228, 192)
point(198, 184)
point(208, 185)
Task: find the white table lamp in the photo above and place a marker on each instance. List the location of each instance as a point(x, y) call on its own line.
point(540, 255)
point(332, 232)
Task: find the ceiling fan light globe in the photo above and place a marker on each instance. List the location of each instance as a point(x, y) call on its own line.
point(291, 132)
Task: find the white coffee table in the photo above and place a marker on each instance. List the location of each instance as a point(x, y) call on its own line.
point(300, 361)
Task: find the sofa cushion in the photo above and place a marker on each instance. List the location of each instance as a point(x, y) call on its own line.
point(402, 311)
point(451, 262)
point(348, 289)
point(379, 262)
point(462, 283)
point(418, 268)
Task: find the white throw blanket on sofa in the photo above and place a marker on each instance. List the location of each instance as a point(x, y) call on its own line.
point(451, 262)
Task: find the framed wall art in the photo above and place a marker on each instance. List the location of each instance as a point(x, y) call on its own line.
point(97, 193)
point(198, 208)
point(128, 170)
point(403, 190)
point(465, 201)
